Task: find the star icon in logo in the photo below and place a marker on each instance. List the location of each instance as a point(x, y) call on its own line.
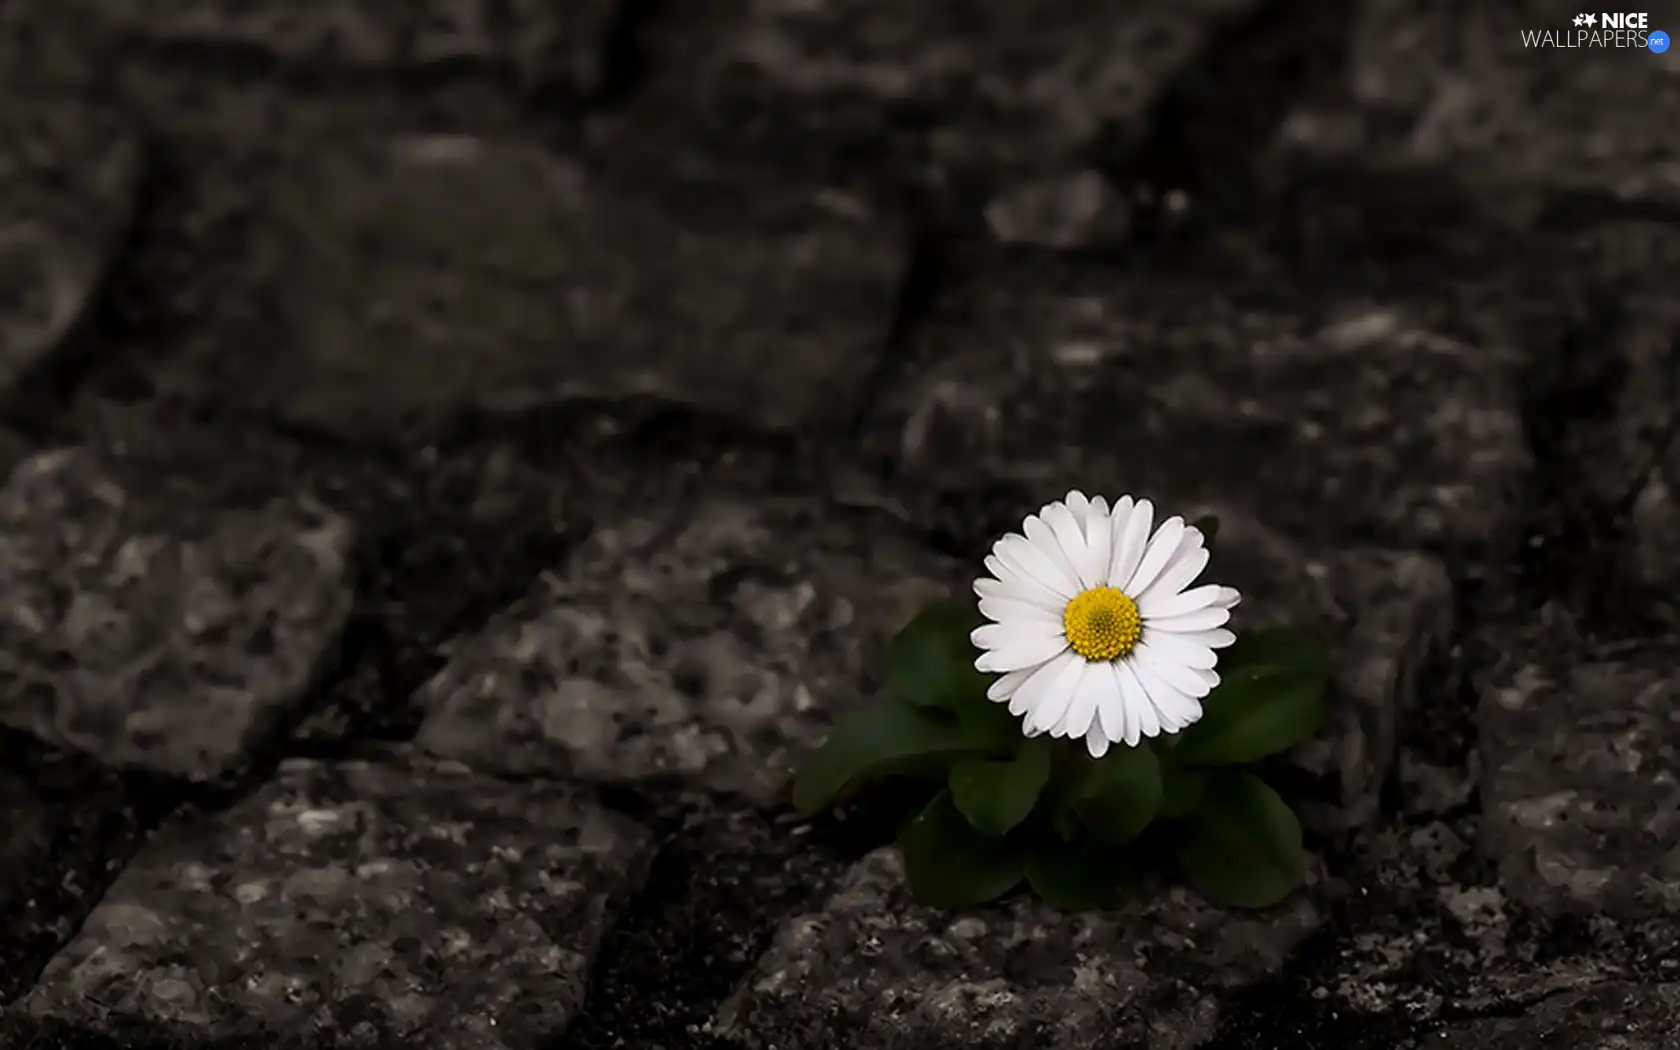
point(1580, 20)
point(1591, 19)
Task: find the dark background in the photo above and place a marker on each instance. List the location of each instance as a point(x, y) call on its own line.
point(468, 287)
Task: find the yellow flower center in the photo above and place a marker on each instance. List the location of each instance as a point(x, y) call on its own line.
point(1102, 624)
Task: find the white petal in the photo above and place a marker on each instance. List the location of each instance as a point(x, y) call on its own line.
point(1176, 710)
point(1006, 635)
point(1010, 610)
point(1168, 670)
point(1046, 541)
point(1185, 566)
point(1070, 537)
point(1181, 651)
point(1209, 679)
point(1083, 707)
point(1076, 502)
point(1161, 549)
point(1026, 698)
point(1208, 639)
point(1111, 711)
point(1159, 603)
point(1099, 533)
point(1053, 703)
point(1150, 721)
point(1003, 686)
point(1200, 620)
point(1031, 593)
point(1021, 652)
point(1009, 574)
point(1228, 598)
point(1096, 742)
point(1031, 563)
point(1131, 536)
point(1134, 725)
point(1133, 695)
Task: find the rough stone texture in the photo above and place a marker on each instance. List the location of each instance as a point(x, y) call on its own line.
point(1581, 798)
point(1436, 84)
point(1357, 419)
point(1636, 452)
point(375, 902)
point(149, 634)
point(710, 639)
point(68, 176)
point(1437, 936)
point(66, 828)
point(437, 273)
point(1609, 1017)
point(873, 965)
point(1380, 614)
point(539, 44)
point(1019, 91)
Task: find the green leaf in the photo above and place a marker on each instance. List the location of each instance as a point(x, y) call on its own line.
point(1270, 697)
point(1181, 790)
point(1242, 849)
point(877, 741)
point(988, 724)
point(949, 864)
point(1073, 878)
point(995, 796)
point(1210, 528)
point(930, 663)
point(1119, 794)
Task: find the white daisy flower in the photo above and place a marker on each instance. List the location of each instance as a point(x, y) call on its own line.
point(1093, 632)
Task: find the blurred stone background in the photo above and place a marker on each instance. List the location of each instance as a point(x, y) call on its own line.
point(461, 453)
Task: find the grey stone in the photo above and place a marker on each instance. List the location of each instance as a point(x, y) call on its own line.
point(1436, 84)
point(69, 170)
point(1064, 211)
point(433, 273)
point(154, 634)
point(376, 902)
point(885, 972)
point(539, 44)
point(1634, 456)
point(710, 638)
point(1380, 614)
point(1363, 419)
point(1581, 795)
point(1016, 87)
point(1622, 1016)
point(66, 826)
point(1434, 937)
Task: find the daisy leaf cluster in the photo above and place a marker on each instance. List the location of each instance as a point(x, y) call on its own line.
point(1090, 713)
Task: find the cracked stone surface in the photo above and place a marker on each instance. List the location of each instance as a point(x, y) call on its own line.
point(872, 963)
point(1435, 84)
point(69, 171)
point(372, 901)
point(67, 827)
point(711, 639)
point(1441, 938)
point(1622, 1016)
point(1380, 614)
point(1021, 90)
point(1360, 418)
point(428, 268)
point(149, 634)
point(540, 44)
point(1639, 455)
point(1581, 798)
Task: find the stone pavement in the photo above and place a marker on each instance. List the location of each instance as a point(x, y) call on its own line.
point(459, 457)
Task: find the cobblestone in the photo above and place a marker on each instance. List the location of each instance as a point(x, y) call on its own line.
point(367, 901)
